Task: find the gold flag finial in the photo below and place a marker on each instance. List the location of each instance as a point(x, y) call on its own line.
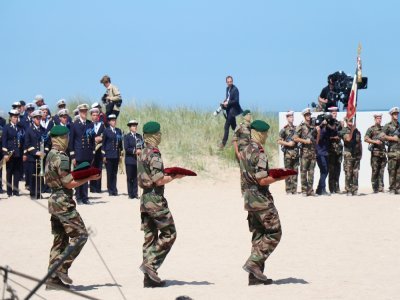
point(359, 49)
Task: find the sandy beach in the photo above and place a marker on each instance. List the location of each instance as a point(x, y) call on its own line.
point(334, 247)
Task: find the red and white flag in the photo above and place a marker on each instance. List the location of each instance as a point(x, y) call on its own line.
point(352, 103)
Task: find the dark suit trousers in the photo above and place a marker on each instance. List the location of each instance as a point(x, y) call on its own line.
point(95, 185)
point(112, 171)
point(13, 169)
point(229, 122)
point(131, 180)
point(82, 192)
point(34, 181)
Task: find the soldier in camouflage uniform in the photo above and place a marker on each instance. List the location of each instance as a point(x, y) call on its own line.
point(335, 152)
point(306, 135)
point(241, 139)
point(291, 152)
point(392, 132)
point(157, 222)
point(66, 223)
point(263, 217)
point(375, 137)
point(352, 155)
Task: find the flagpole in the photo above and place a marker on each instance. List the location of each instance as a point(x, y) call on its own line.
point(359, 77)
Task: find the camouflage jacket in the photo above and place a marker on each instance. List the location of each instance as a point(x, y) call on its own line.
point(390, 130)
point(57, 173)
point(374, 132)
point(305, 131)
point(150, 168)
point(335, 145)
point(242, 135)
point(354, 146)
point(254, 166)
point(286, 134)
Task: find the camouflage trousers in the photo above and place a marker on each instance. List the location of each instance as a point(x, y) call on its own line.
point(351, 168)
point(307, 166)
point(68, 228)
point(394, 170)
point(291, 162)
point(267, 232)
point(378, 164)
point(159, 229)
point(334, 166)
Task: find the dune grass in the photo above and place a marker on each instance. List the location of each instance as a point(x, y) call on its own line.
point(190, 137)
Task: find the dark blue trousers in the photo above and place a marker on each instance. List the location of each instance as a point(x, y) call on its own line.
point(95, 185)
point(322, 161)
point(131, 180)
point(82, 192)
point(112, 171)
point(229, 122)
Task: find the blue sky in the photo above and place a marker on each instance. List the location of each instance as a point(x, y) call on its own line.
point(179, 52)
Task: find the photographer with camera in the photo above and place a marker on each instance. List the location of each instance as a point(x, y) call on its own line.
point(291, 152)
point(335, 151)
point(375, 138)
point(326, 98)
point(232, 107)
point(322, 144)
point(112, 97)
point(306, 135)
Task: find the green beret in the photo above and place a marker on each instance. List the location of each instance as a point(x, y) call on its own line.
point(151, 127)
point(259, 125)
point(82, 166)
point(246, 112)
point(59, 130)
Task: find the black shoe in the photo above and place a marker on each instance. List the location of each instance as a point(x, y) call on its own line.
point(56, 284)
point(87, 202)
point(376, 191)
point(16, 193)
point(255, 281)
point(148, 283)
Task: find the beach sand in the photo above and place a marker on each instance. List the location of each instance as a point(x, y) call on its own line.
point(336, 247)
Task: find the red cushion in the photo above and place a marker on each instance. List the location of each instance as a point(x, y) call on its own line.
point(81, 174)
point(179, 171)
point(277, 173)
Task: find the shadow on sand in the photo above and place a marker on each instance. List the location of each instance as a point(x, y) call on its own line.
point(178, 282)
point(290, 280)
point(80, 288)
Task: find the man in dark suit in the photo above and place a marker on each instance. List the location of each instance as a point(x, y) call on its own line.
point(111, 149)
point(81, 146)
point(98, 127)
point(133, 143)
point(232, 107)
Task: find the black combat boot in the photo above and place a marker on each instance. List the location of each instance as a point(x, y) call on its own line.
point(56, 284)
point(148, 283)
point(254, 281)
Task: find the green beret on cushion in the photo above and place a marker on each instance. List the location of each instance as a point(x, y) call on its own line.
point(151, 127)
point(246, 112)
point(59, 130)
point(82, 166)
point(259, 125)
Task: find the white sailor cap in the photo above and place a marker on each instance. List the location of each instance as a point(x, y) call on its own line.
point(132, 122)
point(394, 110)
point(36, 113)
point(94, 110)
point(38, 98)
point(112, 116)
point(13, 112)
point(30, 106)
point(290, 113)
point(16, 104)
point(377, 115)
point(333, 108)
point(306, 111)
point(43, 107)
point(62, 112)
point(61, 102)
point(96, 105)
point(83, 106)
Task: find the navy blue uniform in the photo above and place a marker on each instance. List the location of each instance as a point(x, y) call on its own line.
point(33, 137)
point(13, 144)
point(56, 120)
point(81, 147)
point(48, 125)
point(232, 110)
point(95, 185)
point(111, 149)
point(25, 121)
point(2, 125)
point(132, 142)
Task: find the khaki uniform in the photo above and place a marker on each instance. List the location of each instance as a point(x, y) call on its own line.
point(66, 224)
point(114, 95)
point(393, 156)
point(378, 158)
point(157, 221)
point(290, 156)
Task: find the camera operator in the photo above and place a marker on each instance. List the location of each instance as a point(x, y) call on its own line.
point(112, 98)
point(325, 99)
point(335, 151)
point(322, 144)
point(232, 106)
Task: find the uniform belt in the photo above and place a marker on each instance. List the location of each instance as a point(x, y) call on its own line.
point(157, 191)
point(257, 188)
